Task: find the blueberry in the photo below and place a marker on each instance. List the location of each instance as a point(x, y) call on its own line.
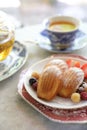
point(32, 81)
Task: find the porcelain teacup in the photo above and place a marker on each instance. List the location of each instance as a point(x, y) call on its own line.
point(61, 30)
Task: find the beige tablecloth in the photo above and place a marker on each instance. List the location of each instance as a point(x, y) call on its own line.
point(15, 113)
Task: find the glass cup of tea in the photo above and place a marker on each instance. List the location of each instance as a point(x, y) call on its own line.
point(7, 36)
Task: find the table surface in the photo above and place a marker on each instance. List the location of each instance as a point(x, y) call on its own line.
point(15, 113)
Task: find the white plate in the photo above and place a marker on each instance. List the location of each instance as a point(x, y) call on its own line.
point(14, 61)
point(57, 102)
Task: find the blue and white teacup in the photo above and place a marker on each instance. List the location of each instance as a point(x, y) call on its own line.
point(61, 30)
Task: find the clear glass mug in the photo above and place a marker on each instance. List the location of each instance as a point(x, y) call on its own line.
point(7, 35)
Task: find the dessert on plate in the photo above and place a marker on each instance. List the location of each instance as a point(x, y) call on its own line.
point(64, 78)
point(50, 82)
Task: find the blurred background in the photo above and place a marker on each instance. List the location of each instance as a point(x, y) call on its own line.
point(30, 12)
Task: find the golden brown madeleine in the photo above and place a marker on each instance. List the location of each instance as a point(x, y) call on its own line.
point(59, 63)
point(49, 83)
point(72, 78)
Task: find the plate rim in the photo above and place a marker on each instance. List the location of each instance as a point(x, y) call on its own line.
point(19, 67)
point(20, 91)
point(42, 101)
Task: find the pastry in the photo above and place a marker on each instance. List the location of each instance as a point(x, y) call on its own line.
point(49, 82)
point(59, 63)
point(72, 79)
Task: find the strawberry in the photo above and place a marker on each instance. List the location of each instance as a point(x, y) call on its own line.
point(72, 63)
point(77, 64)
point(84, 68)
point(69, 62)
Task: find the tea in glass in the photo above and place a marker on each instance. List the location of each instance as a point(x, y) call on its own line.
point(7, 36)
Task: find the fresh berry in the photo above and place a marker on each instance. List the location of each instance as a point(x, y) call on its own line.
point(77, 64)
point(83, 95)
point(69, 62)
point(32, 81)
point(34, 86)
point(75, 97)
point(84, 68)
point(72, 63)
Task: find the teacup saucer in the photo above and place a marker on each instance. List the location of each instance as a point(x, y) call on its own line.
point(14, 61)
point(80, 42)
point(34, 36)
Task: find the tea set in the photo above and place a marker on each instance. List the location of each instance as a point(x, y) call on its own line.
point(58, 34)
point(13, 54)
point(64, 34)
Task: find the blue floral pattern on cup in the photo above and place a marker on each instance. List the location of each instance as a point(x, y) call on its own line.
point(63, 39)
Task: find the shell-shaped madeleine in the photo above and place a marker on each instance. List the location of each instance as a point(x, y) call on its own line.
point(49, 83)
point(72, 79)
point(59, 63)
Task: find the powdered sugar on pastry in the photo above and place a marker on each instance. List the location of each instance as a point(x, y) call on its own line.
point(72, 78)
point(59, 63)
